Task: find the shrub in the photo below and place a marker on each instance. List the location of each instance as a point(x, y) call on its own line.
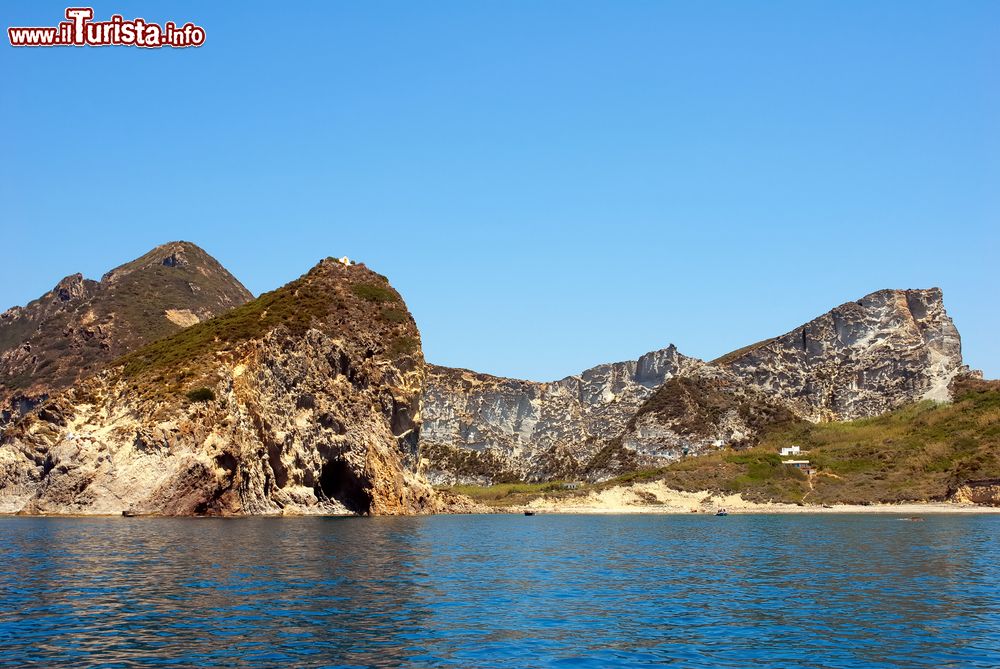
point(373, 293)
point(403, 345)
point(391, 315)
point(201, 395)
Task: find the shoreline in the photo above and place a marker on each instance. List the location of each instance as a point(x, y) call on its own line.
point(910, 508)
point(655, 497)
point(647, 498)
point(905, 509)
point(555, 509)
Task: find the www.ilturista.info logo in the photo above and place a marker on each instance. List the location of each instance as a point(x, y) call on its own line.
point(80, 30)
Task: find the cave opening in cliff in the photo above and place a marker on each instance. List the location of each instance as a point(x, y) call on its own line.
point(338, 482)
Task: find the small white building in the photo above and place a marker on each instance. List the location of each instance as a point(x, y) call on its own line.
point(790, 450)
point(799, 464)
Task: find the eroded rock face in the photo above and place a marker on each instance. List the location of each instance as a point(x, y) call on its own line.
point(861, 359)
point(306, 400)
point(983, 492)
point(80, 326)
point(482, 428)
point(693, 414)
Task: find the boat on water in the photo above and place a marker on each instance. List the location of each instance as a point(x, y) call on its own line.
point(722, 512)
point(129, 514)
point(529, 513)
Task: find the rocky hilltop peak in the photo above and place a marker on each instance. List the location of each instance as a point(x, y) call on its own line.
point(81, 325)
point(305, 400)
point(73, 287)
point(171, 254)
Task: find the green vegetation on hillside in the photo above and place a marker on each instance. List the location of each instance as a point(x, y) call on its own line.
point(403, 345)
point(72, 338)
point(465, 462)
point(922, 452)
point(695, 405)
point(145, 287)
point(295, 309)
point(755, 473)
point(511, 494)
point(374, 293)
point(393, 315)
point(201, 395)
point(345, 302)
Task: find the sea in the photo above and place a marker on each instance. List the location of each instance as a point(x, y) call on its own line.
point(758, 591)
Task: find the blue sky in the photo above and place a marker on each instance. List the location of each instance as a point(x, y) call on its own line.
point(551, 185)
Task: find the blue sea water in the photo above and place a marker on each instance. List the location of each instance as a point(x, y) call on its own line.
point(512, 591)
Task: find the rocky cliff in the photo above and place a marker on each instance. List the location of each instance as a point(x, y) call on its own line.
point(860, 359)
point(985, 492)
point(484, 428)
point(81, 325)
point(690, 415)
point(305, 400)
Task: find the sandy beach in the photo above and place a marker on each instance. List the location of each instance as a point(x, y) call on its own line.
point(656, 497)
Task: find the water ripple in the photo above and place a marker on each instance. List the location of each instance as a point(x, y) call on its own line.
point(547, 591)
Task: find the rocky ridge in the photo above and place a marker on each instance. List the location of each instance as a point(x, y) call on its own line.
point(861, 359)
point(482, 428)
point(315, 398)
point(305, 400)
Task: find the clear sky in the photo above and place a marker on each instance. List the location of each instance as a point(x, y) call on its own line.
point(550, 184)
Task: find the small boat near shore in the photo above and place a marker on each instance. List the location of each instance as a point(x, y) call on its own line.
point(529, 513)
point(722, 512)
point(129, 514)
